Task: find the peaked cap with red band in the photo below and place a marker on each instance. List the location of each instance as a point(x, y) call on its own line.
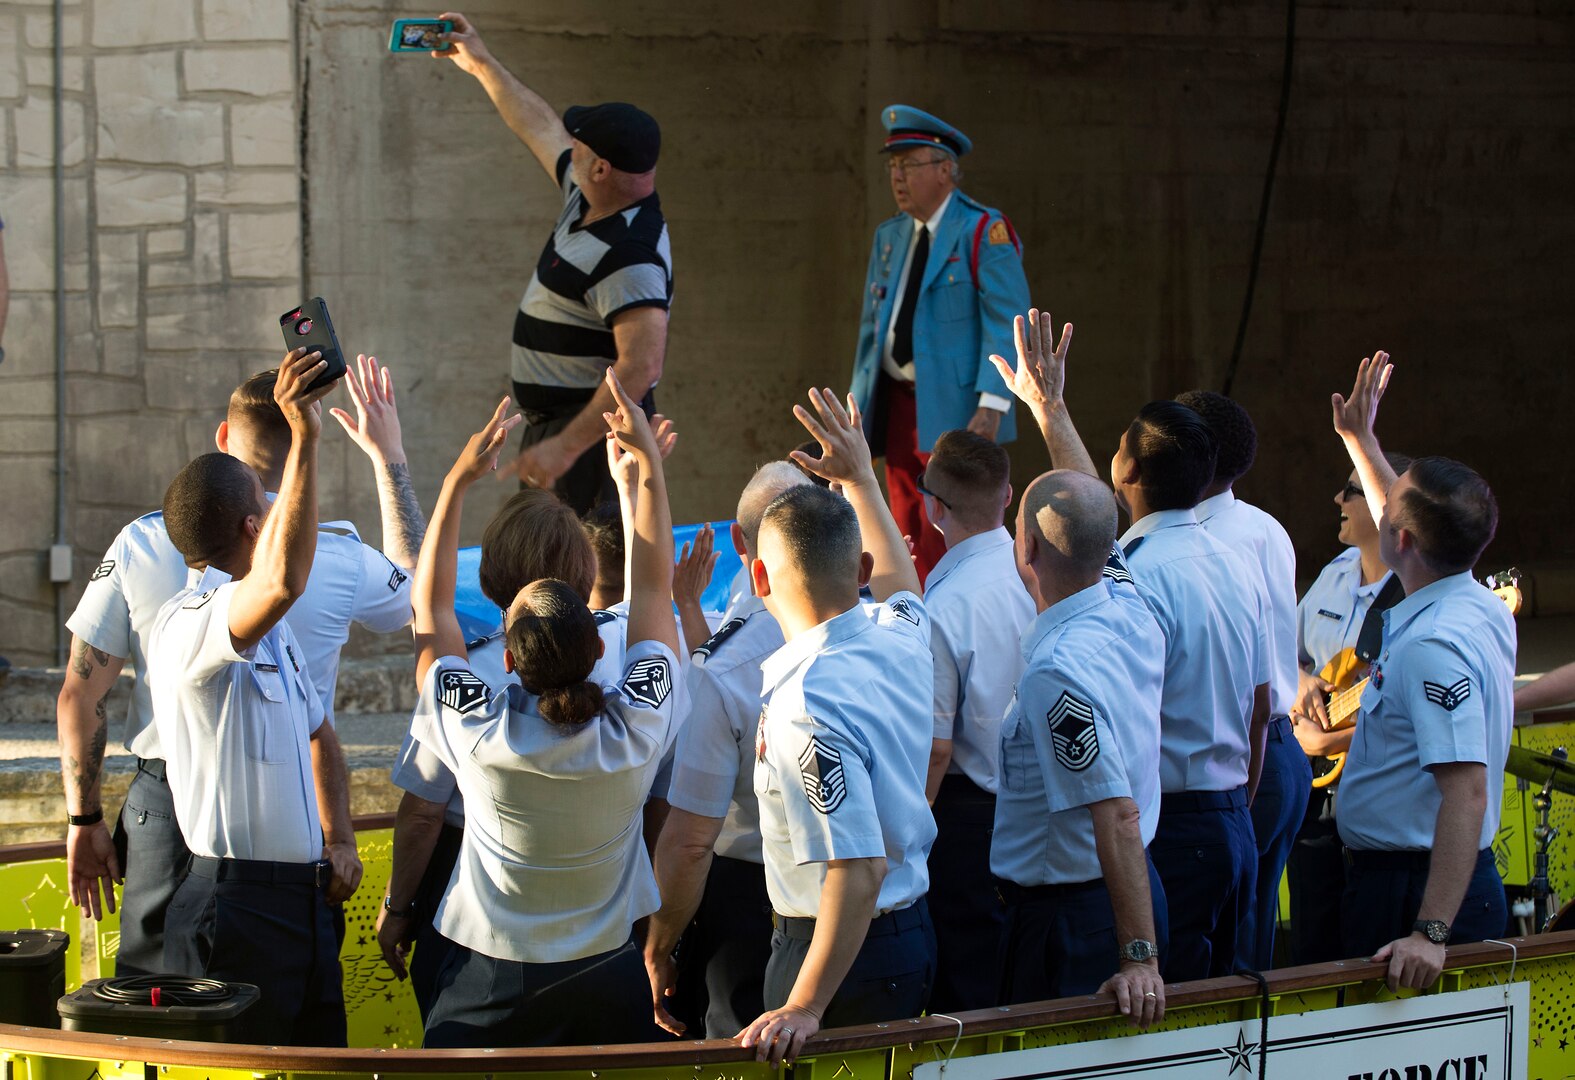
point(907, 126)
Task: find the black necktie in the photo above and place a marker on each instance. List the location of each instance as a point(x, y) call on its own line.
point(902, 331)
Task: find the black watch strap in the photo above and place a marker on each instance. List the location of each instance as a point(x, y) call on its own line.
point(407, 913)
point(86, 819)
point(1435, 930)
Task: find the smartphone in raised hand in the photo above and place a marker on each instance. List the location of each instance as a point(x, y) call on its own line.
point(309, 327)
point(418, 35)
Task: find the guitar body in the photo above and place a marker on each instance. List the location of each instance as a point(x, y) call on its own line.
point(1348, 674)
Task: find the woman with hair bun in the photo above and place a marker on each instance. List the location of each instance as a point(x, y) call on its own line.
point(552, 872)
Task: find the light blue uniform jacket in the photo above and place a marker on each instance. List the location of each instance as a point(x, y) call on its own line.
point(955, 327)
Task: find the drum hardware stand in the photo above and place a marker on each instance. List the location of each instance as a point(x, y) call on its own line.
point(1545, 904)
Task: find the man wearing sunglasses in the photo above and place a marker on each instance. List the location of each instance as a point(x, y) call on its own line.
point(945, 278)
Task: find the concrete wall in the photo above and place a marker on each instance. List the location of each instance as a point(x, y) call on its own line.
point(1425, 204)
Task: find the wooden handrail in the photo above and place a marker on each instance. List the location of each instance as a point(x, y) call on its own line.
point(83, 1045)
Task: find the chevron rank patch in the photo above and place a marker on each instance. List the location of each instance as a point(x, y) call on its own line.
point(1116, 568)
point(723, 632)
point(462, 691)
point(103, 569)
point(603, 617)
point(824, 782)
point(1072, 732)
point(396, 579)
point(1447, 698)
point(999, 234)
point(904, 610)
point(649, 681)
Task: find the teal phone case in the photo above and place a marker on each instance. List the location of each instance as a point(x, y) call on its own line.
point(400, 41)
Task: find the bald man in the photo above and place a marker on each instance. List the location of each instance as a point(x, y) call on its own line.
point(1079, 793)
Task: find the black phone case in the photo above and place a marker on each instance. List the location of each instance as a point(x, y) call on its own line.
point(318, 335)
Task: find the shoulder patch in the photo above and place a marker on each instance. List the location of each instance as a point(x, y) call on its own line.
point(723, 632)
point(904, 610)
point(1072, 732)
point(649, 681)
point(603, 617)
point(197, 601)
point(397, 578)
point(103, 570)
point(462, 691)
point(999, 234)
point(1447, 698)
point(1116, 567)
point(824, 782)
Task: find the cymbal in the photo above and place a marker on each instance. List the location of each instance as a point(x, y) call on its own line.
point(1537, 767)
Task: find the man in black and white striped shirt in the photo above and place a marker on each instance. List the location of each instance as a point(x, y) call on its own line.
point(602, 287)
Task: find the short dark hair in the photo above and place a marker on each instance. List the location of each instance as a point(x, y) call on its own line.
point(1398, 462)
point(810, 448)
point(1174, 451)
point(820, 531)
point(206, 506)
point(603, 526)
point(551, 635)
point(971, 473)
point(535, 535)
point(1450, 510)
point(256, 415)
point(1235, 437)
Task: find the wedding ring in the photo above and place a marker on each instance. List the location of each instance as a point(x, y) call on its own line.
point(1151, 994)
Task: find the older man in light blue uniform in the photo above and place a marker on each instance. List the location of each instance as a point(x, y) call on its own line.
point(709, 863)
point(1423, 783)
point(1079, 796)
point(945, 278)
point(1209, 603)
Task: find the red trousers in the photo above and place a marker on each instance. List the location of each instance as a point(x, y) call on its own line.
point(904, 464)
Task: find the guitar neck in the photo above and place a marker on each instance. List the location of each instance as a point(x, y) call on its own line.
point(1344, 705)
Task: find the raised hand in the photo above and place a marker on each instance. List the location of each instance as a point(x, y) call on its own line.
point(624, 467)
point(480, 455)
point(845, 455)
point(375, 426)
point(464, 45)
point(628, 424)
point(1355, 416)
point(299, 404)
point(1040, 376)
point(692, 573)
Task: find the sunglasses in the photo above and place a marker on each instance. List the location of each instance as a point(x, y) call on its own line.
point(1351, 491)
point(919, 483)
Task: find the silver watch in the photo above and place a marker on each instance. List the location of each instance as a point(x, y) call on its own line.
point(1139, 951)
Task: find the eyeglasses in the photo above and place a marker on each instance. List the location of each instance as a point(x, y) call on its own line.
point(1351, 491)
point(906, 167)
point(919, 483)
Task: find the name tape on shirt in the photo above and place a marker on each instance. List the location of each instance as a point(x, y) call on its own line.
point(103, 570)
point(723, 632)
point(1335, 615)
point(1072, 732)
point(649, 681)
point(904, 610)
point(824, 782)
point(1447, 697)
point(462, 691)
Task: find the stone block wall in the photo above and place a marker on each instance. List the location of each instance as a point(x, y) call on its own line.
point(182, 247)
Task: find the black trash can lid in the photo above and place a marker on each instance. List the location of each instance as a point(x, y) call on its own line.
point(32, 948)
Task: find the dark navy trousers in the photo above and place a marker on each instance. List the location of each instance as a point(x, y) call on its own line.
point(154, 857)
point(1277, 812)
point(1383, 893)
point(890, 978)
point(431, 947)
point(963, 900)
point(723, 955)
point(1208, 860)
point(1060, 940)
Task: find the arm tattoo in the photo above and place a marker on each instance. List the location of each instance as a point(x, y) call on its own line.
point(404, 526)
point(84, 774)
point(84, 656)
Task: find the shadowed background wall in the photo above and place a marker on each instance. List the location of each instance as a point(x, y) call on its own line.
point(1425, 204)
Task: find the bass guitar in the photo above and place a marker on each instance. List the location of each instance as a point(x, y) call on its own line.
point(1348, 674)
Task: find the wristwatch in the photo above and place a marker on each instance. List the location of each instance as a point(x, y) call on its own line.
point(406, 913)
point(1139, 951)
point(1436, 930)
point(90, 818)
